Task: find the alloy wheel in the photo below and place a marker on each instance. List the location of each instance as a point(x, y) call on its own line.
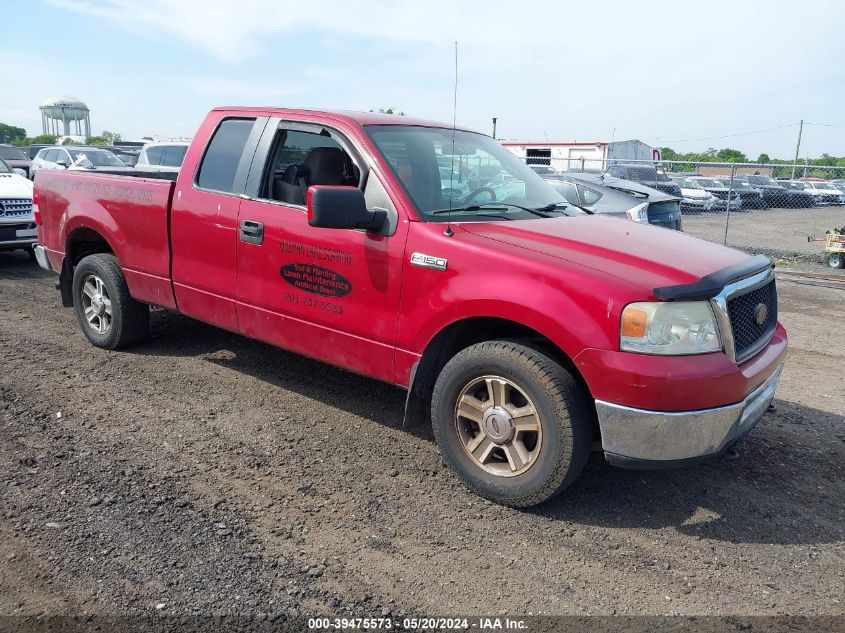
point(96, 304)
point(498, 426)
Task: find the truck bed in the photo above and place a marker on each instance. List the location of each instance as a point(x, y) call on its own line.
point(130, 211)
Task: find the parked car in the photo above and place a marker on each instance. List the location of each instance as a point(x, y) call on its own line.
point(647, 175)
point(799, 197)
point(825, 192)
point(696, 199)
point(162, 155)
point(721, 191)
point(619, 198)
point(15, 158)
point(526, 330)
point(32, 150)
point(128, 156)
point(774, 195)
point(751, 197)
point(17, 224)
point(74, 157)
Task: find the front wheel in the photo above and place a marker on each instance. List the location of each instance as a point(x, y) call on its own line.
point(110, 318)
point(836, 260)
point(511, 422)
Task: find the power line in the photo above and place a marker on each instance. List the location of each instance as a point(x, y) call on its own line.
point(716, 138)
point(825, 124)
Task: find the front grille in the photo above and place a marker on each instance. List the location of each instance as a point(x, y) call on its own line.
point(743, 312)
point(15, 207)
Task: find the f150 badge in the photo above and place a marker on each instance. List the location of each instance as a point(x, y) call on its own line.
point(428, 261)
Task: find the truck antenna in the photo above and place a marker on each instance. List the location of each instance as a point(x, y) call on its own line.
point(449, 232)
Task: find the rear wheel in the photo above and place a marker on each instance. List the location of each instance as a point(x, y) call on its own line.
point(835, 260)
point(511, 422)
point(110, 318)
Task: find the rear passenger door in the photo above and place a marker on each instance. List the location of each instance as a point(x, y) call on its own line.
point(331, 294)
point(204, 222)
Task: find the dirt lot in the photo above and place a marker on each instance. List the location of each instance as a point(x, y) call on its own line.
point(206, 473)
point(775, 232)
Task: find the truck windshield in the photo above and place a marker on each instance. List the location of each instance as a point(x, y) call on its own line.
point(4, 167)
point(475, 176)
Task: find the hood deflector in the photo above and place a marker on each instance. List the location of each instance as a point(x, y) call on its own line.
point(710, 285)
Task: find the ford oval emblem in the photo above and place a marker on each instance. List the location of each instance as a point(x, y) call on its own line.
point(761, 313)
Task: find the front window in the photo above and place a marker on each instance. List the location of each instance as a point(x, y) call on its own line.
point(4, 167)
point(473, 175)
point(12, 153)
point(98, 157)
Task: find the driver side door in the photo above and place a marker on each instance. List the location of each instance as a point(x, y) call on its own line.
point(331, 294)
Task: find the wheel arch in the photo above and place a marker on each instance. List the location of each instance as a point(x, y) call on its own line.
point(81, 242)
point(463, 333)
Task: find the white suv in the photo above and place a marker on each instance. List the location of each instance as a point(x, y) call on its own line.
point(162, 156)
point(74, 157)
point(17, 224)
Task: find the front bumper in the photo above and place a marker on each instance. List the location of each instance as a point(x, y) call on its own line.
point(20, 234)
point(640, 438)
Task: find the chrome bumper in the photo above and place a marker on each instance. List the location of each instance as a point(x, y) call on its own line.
point(652, 437)
point(41, 257)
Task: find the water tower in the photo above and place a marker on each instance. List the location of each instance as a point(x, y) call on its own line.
point(62, 116)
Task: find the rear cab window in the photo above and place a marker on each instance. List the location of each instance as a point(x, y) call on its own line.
point(223, 161)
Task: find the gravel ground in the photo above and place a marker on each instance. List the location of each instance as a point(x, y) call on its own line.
point(780, 233)
point(206, 473)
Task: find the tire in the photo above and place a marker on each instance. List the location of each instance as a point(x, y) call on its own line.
point(836, 260)
point(98, 284)
point(557, 451)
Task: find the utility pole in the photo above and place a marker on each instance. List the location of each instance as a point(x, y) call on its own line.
point(797, 147)
point(494, 128)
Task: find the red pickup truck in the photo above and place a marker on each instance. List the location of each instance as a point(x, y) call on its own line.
point(431, 258)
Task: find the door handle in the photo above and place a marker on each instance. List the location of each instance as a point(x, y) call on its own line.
point(252, 232)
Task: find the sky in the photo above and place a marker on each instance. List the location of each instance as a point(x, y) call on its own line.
point(688, 75)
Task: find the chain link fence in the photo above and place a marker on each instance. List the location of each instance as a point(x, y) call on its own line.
point(759, 208)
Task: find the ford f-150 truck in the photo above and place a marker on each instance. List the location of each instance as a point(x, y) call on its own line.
point(529, 330)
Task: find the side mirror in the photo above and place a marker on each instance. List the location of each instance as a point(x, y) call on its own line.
point(62, 162)
point(20, 172)
point(333, 207)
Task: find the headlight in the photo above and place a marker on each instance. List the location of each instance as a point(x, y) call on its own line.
point(638, 213)
point(679, 327)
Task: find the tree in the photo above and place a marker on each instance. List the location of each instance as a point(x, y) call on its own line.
point(44, 139)
point(9, 133)
point(97, 140)
point(764, 158)
point(728, 155)
point(111, 137)
point(390, 110)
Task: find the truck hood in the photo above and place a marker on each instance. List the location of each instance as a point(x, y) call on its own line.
point(15, 186)
point(645, 255)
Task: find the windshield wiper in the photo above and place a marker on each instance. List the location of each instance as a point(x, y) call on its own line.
point(500, 206)
point(636, 194)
